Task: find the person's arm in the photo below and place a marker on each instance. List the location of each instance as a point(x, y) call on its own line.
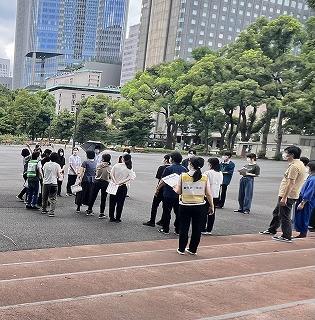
point(29, 148)
point(309, 193)
point(255, 174)
point(59, 173)
point(40, 171)
point(229, 169)
point(161, 183)
point(209, 197)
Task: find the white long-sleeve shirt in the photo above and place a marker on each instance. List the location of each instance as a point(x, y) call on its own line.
point(120, 174)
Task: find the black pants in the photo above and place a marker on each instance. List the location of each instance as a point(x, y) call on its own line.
point(49, 193)
point(282, 216)
point(117, 202)
point(155, 205)
point(71, 181)
point(312, 219)
point(59, 184)
point(24, 190)
point(222, 195)
point(97, 186)
point(208, 219)
point(193, 215)
point(168, 205)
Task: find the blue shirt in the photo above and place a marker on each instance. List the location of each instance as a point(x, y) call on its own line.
point(168, 191)
point(308, 191)
point(227, 169)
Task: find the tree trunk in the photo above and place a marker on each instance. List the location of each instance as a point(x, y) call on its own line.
point(206, 131)
point(169, 138)
point(265, 133)
point(278, 134)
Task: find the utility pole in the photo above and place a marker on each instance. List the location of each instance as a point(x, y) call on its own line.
point(77, 110)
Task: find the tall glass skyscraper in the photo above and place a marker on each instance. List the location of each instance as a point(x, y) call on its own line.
point(52, 35)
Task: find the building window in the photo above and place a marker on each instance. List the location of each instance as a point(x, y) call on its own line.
point(212, 25)
point(203, 24)
point(213, 16)
point(241, 12)
point(223, 18)
point(248, 14)
point(193, 21)
point(189, 49)
point(224, 9)
point(257, 6)
point(222, 27)
point(194, 12)
point(202, 33)
point(233, 10)
point(205, 5)
point(271, 9)
point(230, 29)
point(204, 14)
point(191, 40)
point(229, 38)
point(192, 31)
point(211, 34)
point(221, 36)
point(210, 43)
point(196, 3)
point(215, 7)
point(200, 42)
point(219, 44)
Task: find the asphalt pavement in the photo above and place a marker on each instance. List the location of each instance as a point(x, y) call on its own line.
point(26, 229)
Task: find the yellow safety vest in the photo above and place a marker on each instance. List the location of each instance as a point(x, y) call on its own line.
point(193, 192)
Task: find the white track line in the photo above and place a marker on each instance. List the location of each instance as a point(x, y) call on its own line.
point(260, 310)
point(135, 252)
point(55, 275)
point(120, 293)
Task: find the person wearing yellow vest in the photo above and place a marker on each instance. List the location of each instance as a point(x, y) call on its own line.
point(193, 187)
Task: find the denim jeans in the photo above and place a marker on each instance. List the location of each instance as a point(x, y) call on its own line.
point(245, 195)
point(33, 187)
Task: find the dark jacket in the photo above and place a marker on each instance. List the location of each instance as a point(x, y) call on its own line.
point(227, 170)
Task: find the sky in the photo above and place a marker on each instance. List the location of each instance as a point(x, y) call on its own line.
point(7, 24)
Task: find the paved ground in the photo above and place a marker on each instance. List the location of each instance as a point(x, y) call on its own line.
point(32, 230)
point(240, 277)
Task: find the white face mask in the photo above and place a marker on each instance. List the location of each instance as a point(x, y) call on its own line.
point(97, 151)
point(75, 153)
point(249, 160)
point(284, 156)
point(61, 154)
point(224, 158)
point(190, 155)
point(191, 168)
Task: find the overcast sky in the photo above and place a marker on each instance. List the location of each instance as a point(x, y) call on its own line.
point(7, 24)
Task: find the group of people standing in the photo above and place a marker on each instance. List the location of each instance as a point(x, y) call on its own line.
point(194, 198)
point(43, 173)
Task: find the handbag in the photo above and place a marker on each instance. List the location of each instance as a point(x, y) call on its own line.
point(76, 188)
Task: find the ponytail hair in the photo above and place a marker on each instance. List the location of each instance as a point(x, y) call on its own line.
point(127, 161)
point(197, 163)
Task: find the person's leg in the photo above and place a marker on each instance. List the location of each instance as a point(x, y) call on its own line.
point(46, 190)
point(59, 184)
point(184, 221)
point(71, 181)
point(241, 194)
point(155, 205)
point(312, 219)
point(166, 217)
point(205, 217)
point(248, 194)
point(112, 206)
point(211, 217)
point(222, 195)
point(30, 192)
point(52, 198)
point(121, 196)
point(104, 185)
point(196, 219)
point(93, 195)
point(275, 222)
point(176, 211)
point(285, 218)
point(35, 195)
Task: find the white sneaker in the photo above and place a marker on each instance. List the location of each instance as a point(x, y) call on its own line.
point(180, 252)
point(206, 233)
point(190, 252)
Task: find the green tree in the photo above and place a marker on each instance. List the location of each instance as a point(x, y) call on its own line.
point(311, 3)
point(62, 125)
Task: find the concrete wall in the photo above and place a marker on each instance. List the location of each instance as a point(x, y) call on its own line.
point(110, 72)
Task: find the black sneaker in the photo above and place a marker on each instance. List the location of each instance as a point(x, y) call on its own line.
point(28, 207)
point(19, 198)
point(283, 239)
point(246, 212)
point(112, 220)
point(159, 223)
point(238, 210)
point(267, 232)
point(89, 213)
point(163, 231)
point(102, 216)
point(51, 214)
point(149, 224)
point(44, 212)
point(117, 220)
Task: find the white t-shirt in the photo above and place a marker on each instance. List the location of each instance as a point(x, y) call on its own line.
point(121, 173)
point(215, 179)
point(51, 171)
point(75, 162)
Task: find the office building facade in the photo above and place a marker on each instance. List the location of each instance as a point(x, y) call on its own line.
point(53, 35)
point(171, 29)
point(128, 68)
